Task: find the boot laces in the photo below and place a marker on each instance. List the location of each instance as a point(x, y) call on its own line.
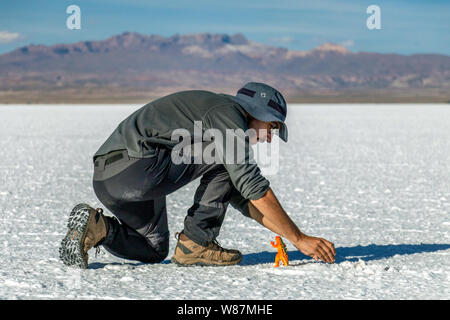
point(217, 245)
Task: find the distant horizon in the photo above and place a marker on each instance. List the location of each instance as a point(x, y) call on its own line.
point(213, 33)
point(407, 27)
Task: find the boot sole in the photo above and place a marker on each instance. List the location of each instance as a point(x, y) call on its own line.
point(71, 249)
point(204, 263)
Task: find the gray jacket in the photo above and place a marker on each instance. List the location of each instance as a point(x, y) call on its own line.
point(154, 123)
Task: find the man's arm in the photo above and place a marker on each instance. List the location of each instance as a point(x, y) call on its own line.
point(268, 211)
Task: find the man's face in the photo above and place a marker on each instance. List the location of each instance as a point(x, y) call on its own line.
point(262, 130)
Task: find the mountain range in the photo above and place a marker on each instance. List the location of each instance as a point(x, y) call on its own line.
point(137, 67)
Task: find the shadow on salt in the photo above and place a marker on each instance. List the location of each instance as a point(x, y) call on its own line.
point(352, 254)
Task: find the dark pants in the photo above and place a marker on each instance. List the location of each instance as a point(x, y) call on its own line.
point(135, 190)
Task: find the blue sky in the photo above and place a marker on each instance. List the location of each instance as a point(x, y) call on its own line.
point(407, 27)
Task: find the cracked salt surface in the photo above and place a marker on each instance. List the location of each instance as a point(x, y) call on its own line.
point(374, 179)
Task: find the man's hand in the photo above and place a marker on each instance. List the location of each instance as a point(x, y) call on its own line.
point(268, 212)
point(317, 248)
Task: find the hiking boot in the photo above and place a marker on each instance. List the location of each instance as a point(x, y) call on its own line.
point(87, 228)
point(188, 253)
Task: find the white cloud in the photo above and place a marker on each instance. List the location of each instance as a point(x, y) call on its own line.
point(6, 36)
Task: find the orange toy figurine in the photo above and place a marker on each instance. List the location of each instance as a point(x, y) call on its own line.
point(281, 251)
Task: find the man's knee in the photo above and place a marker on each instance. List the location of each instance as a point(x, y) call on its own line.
point(161, 250)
